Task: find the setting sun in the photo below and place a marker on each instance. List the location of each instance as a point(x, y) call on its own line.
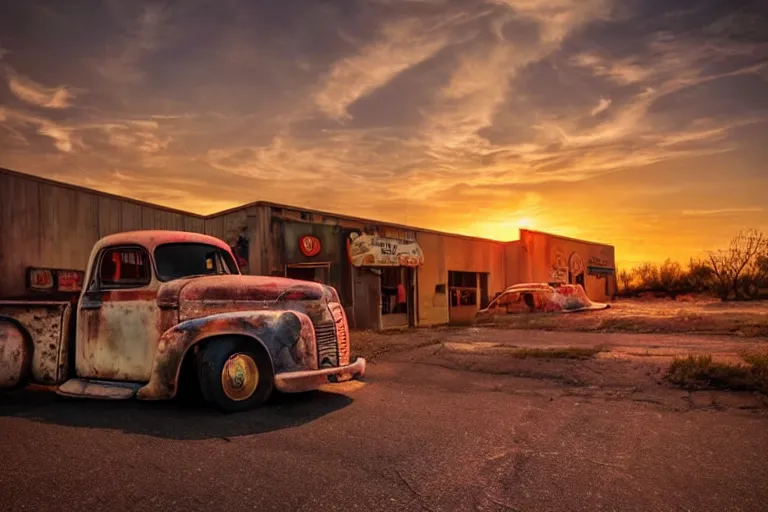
point(526, 222)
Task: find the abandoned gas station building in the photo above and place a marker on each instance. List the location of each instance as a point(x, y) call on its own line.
point(386, 275)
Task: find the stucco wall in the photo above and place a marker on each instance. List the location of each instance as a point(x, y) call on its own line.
point(512, 263)
point(432, 307)
point(444, 253)
point(542, 253)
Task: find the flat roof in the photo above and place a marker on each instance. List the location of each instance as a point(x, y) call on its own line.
point(245, 206)
point(562, 237)
point(87, 190)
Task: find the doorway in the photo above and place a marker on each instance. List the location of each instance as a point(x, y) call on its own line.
point(317, 272)
point(395, 292)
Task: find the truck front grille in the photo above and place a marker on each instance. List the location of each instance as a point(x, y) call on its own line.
point(327, 352)
point(342, 333)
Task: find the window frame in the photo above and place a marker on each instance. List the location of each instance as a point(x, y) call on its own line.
point(100, 285)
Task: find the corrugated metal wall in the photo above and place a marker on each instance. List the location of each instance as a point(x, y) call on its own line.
point(48, 225)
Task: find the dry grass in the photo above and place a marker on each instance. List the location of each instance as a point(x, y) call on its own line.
point(653, 316)
point(699, 371)
point(372, 345)
point(559, 353)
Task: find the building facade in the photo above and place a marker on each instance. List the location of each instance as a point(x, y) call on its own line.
point(387, 275)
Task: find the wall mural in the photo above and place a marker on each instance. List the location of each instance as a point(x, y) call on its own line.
point(558, 266)
point(576, 264)
point(375, 251)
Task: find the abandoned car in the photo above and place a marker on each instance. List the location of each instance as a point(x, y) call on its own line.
point(540, 298)
point(162, 312)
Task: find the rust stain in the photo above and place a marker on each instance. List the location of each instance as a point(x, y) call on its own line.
point(253, 288)
point(14, 356)
point(46, 326)
point(129, 295)
point(280, 332)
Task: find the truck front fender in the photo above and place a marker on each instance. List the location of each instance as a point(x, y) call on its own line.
point(287, 336)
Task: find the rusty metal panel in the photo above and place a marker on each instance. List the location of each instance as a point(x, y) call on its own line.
point(14, 355)
point(47, 326)
point(98, 390)
point(117, 341)
point(276, 330)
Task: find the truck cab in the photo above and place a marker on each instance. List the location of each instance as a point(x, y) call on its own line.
point(162, 312)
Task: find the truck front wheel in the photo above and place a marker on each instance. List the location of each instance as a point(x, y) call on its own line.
point(235, 375)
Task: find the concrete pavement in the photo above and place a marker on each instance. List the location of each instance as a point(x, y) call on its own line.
point(415, 436)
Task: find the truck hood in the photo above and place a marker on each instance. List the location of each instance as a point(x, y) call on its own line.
point(238, 288)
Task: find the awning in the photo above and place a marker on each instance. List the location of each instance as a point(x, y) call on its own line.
point(375, 251)
point(595, 270)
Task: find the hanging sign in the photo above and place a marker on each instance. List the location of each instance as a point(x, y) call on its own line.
point(376, 251)
point(309, 245)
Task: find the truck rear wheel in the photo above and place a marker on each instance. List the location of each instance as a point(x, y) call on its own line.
point(235, 375)
point(14, 356)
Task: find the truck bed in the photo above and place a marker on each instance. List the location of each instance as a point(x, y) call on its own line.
point(48, 328)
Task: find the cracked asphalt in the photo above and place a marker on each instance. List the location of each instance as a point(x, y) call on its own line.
point(428, 430)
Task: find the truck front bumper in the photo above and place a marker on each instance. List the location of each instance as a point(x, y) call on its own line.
point(295, 382)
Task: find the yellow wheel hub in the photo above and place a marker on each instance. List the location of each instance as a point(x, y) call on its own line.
point(240, 377)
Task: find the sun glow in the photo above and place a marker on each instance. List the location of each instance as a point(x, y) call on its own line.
point(525, 223)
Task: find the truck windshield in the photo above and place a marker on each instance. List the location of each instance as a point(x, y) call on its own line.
point(178, 260)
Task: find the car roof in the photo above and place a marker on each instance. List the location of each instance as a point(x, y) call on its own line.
point(150, 239)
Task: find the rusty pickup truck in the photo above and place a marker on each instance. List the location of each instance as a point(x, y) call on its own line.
point(166, 312)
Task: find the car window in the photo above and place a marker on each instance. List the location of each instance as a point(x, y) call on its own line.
point(177, 260)
point(124, 266)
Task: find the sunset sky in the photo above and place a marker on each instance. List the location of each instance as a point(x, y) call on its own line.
point(642, 123)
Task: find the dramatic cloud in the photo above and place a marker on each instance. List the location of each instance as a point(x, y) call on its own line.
point(36, 94)
point(401, 46)
point(633, 123)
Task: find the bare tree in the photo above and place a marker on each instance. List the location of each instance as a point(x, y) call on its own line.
point(626, 280)
point(730, 266)
point(647, 276)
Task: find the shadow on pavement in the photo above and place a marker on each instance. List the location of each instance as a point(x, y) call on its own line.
point(171, 419)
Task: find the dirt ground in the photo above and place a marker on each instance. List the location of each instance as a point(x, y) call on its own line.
point(631, 364)
point(685, 315)
point(446, 419)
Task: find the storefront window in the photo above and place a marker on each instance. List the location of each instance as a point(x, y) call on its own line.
point(463, 288)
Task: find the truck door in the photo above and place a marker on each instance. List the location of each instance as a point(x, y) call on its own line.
point(117, 320)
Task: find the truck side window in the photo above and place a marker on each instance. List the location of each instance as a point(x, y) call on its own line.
point(124, 266)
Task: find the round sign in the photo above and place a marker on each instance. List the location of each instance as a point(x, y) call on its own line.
point(309, 245)
point(577, 264)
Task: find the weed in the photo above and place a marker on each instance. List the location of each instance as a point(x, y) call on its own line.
point(699, 371)
point(560, 353)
